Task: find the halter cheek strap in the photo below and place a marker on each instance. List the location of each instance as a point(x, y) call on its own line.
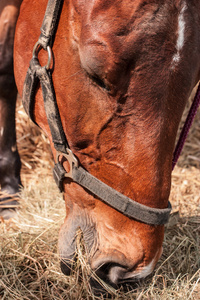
point(36, 75)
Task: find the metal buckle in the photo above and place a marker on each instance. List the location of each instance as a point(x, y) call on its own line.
point(72, 160)
point(37, 49)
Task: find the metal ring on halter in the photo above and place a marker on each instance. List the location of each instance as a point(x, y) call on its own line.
point(72, 160)
point(37, 49)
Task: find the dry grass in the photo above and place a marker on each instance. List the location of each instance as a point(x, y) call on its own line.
point(29, 263)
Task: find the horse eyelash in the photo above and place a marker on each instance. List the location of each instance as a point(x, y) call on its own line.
point(98, 81)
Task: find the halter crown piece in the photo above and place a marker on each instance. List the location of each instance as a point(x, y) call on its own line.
point(42, 75)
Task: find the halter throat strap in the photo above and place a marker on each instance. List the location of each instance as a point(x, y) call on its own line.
point(38, 74)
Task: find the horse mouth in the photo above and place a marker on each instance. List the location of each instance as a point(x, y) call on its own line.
point(79, 247)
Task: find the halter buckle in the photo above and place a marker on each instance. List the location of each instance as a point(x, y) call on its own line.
point(72, 160)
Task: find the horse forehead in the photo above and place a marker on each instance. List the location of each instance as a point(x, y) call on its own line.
point(118, 20)
point(124, 8)
point(101, 14)
point(113, 31)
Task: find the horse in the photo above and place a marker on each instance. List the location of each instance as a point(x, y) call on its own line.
point(121, 72)
point(10, 164)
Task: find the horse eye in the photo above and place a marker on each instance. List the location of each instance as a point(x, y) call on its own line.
point(99, 82)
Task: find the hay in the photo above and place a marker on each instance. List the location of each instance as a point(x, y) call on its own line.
point(33, 146)
point(29, 263)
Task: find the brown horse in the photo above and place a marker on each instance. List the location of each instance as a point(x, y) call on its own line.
point(122, 73)
point(9, 157)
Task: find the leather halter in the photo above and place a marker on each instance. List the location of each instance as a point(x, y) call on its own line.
point(42, 74)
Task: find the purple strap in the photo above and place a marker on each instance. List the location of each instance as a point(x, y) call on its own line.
point(186, 127)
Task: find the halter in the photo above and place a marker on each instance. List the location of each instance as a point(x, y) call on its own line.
point(43, 74)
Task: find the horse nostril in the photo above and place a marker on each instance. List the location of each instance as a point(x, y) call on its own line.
point(103, 271)
point(111, 272)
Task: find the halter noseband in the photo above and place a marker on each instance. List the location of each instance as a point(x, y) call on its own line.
point(37, 74)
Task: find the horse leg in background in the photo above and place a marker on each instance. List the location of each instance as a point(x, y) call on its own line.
point(10, 164)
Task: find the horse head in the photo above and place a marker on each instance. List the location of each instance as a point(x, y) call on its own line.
point(122, 73)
